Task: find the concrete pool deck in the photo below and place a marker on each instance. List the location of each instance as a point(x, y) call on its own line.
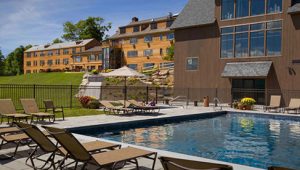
point(105, 119)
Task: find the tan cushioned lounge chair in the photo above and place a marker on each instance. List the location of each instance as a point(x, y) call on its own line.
point(274, 103)
point(30, 107)
point(293, 106)
point(8, 110)
point(183, 164)
point(114, 109)
point(111, 159)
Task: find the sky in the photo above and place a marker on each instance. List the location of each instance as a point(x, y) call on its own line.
point(35, 22)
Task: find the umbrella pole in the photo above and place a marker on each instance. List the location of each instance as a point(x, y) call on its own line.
point(125, 92)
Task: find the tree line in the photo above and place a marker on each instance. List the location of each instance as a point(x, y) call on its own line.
point(92, 27)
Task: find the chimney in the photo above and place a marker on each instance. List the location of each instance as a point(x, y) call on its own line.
point(135, 19)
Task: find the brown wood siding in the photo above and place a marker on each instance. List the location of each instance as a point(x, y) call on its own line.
point(204, 42)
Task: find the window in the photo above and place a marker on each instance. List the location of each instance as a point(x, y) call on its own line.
point(49, 62)
point(274, 38)
point(153, 25)
point(274, 6)
point(42, 54)
point(100, 57)
point(73, 50)
point(148, 38)
point(35, 54)
point(161, 52)
point(28, 54)
point(148, 65)
point(92, 58)
point(192, 63)
point(242, 8)
point(42, 62)
point(77, 59)
point(148, 52)
point(264, 40)
point(35, 63)
point(161, 37)
point(295, 2)
point(169, 23)
point(132, 53)
point(57, 61)
point(257, 39)
point(257, 7)
point(227, 9)
point(133, 40)
point(170, 36)
point(241, 41)
point(66, 51)
point(57, 52)
point(136, 29)
point(122, 30)
point(65, 61)
point(227, 42)
point(50, 53)
point(28, 63)
point(132, 66)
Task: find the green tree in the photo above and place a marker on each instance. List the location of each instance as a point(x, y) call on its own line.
point(57, 40)
point(2, 63)
point(170, 53)
point(92, 27)
point(14, 63)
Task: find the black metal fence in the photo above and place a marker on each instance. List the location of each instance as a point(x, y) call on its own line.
point(67, 95)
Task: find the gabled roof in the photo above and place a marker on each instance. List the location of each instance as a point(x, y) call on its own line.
point(294, 9)
point(148, 21)
point(196, 13)
point(79, 43)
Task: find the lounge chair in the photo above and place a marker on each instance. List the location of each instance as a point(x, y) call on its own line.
point(114, 109)
point(48, 147)
point(169, 163)
point(49, 105)
point(293, 106)
point(274, 104)
point(30, 107)
point(139, 106)
point(8, 110)
point(111, 159)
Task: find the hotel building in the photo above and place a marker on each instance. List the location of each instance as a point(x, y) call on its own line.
point(67, 56)
point(144, 43)
point(230, 45)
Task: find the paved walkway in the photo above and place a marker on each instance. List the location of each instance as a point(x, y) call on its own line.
point(18, 163)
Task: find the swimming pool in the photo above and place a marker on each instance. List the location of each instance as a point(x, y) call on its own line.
point(247, 139)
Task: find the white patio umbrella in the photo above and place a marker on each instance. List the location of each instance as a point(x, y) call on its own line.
point(124, 72)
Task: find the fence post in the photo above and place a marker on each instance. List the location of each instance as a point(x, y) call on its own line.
point(147, 94)
point(33, 90)
point(188, 97)
point(156, 89)
point(100, 93)
point(71, 96)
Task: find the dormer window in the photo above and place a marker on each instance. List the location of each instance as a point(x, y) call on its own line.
point(122, 30)
point(136, 29)
point(133, 40)
point(153, 25)
point(169, 23)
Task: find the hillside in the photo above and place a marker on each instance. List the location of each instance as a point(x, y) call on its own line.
point(44, 78)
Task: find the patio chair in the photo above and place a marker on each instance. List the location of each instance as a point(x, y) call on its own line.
point(139, 106)
point(274, 104)
point(169, 163)
point(293, 106)
point(30, 107)
point(49, 105)
point(114, 109)
point(48, 147)
point(8, 110)
point(112, 159)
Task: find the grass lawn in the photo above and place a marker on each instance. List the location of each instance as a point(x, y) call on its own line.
point(76, 112)
point(44, 78)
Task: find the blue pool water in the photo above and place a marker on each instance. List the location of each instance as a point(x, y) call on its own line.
point(237, 138)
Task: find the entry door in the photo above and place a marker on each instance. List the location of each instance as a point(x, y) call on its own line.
point(254, 88)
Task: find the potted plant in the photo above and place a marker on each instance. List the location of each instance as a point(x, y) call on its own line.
point(247, 103)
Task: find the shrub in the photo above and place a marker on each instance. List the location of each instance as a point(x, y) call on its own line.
point(95, 71)
point(84, 100)
point(248, 101)
point(89, 102)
